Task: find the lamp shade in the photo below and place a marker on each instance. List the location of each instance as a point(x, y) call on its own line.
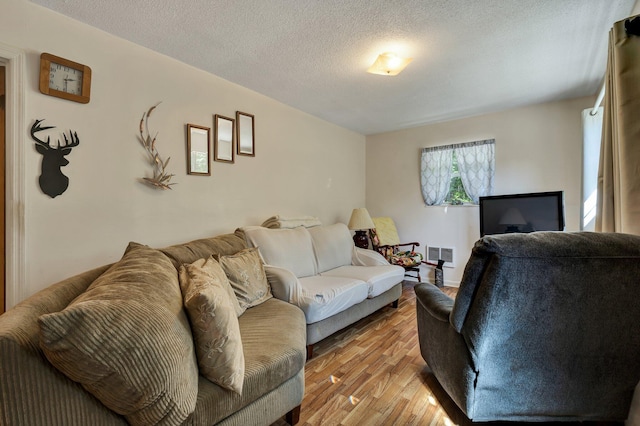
point(389, 64)
point(360, 219)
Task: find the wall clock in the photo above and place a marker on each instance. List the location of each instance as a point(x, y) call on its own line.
point(64, 78)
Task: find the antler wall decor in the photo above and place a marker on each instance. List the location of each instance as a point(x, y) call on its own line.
point(52, 181)
point(160, 177)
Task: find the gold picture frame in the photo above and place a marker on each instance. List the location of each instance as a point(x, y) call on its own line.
point(224, 139)
point(245, 129)
point(198, 150)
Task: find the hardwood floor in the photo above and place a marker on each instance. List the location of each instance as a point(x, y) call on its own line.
point(372, 373)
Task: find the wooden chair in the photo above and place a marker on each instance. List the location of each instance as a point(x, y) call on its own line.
point(385, 240)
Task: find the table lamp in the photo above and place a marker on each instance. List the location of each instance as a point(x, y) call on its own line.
point(360, 222)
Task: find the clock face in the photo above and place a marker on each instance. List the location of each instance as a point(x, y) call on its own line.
point(65, 79)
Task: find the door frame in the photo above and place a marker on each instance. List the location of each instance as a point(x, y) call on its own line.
point(14, 60)
point(3, 164)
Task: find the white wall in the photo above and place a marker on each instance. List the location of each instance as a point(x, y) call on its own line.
point(303, 165)
point(538, 148)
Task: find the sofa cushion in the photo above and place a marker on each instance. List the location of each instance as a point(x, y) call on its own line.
point(378, 278)
point(145, 370)
point(247, 277)
point(213, 311)
point(221, 245)
point(291, 249)
point(324, 296)
point(333, 246)
point(274, 342)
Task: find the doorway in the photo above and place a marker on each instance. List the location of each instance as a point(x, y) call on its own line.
point(2, 186)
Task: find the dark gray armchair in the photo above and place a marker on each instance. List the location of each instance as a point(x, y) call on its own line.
point(545, 326)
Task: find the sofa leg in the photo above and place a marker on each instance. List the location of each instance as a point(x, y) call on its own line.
point(394, 304)
point(309, 352)
point(293, 416)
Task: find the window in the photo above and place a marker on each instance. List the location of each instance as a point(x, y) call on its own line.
point(592, 136)
point(457, 195)
point(457, 174)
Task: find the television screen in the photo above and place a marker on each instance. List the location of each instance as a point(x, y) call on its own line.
point(540, 211)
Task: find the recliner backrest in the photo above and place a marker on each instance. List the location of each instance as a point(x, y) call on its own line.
point(527, 249)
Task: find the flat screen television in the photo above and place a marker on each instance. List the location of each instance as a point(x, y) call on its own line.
point(539, 211)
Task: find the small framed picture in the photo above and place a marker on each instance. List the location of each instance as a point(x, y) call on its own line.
point(246, 134)
point(198, 152)
point(224, 139)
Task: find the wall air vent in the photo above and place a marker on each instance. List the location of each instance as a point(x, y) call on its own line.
point(445, 253)
point(433, 254)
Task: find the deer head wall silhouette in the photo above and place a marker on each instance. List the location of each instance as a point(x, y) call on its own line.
point(52, 181)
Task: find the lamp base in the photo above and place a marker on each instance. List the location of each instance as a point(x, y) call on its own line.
point(360, 239)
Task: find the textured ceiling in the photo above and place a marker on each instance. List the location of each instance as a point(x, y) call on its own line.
point(470, 57)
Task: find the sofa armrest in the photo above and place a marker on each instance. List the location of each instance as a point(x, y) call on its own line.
point(284, 284)
point(435, 302)
point(365, 257)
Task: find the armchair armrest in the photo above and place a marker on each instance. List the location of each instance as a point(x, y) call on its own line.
point(284, 284)
point(442, 347)
point(435, 302)
point(414, 244)
point(365, 257)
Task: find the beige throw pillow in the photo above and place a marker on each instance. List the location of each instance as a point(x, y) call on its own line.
point(127, 340)
point(247, 277)
point(213, 311)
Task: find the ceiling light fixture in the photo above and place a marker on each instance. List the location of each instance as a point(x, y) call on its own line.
point(389, 64)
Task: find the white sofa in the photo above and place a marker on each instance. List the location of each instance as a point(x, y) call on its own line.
point(320, 270)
